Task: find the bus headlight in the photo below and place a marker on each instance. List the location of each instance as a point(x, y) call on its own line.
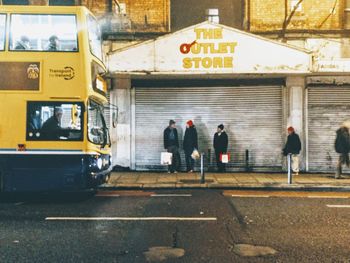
point(99, 163)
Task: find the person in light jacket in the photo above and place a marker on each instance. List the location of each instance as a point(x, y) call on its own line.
point(190, 143)
point(220, 146)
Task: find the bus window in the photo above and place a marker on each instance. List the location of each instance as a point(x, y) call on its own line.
point(94, 37)
point(43, 32)
point(2, 31)
point(47, 121)
point(97, 129)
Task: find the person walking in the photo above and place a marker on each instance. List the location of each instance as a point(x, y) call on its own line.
point(342, 146)
point(220, 146)
point(190, 143)
point(171, 144)
point(293, 147)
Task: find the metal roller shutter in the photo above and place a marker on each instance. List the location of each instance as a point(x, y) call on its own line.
point(328, 107)
point(252, 117)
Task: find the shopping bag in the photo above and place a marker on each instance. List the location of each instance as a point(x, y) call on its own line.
point(195, 154)
point(166, 158)
point(224, 157)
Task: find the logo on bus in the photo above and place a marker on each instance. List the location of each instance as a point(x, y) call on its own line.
point(33, 71)
point(67, 73)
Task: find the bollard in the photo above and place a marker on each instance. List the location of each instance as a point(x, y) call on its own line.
point(202, 169)
point(289, 156)
point(247, 160)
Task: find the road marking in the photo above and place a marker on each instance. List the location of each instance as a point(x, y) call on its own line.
point(130, 218)
point(171, 195)
point(19, 203)
point(338, 206)
point(249, 195)
point(123, 193)
point(334, 197)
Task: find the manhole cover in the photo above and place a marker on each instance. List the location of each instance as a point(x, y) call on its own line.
point(191, 181)
point(159, 254)
point(246, 250)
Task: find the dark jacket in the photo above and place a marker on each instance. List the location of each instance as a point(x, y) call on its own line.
point(220, 142)
point(293, 144)
point(168, 141)
point(342, 141)
point(190, 140)
point(51, 129)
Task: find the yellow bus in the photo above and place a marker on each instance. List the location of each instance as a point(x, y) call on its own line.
point(53, 133)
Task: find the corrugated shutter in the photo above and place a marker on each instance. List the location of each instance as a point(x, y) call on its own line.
point(252, 117)
point(107, 111)
point(328, 107)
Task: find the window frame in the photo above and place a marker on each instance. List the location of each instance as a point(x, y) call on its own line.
point(54, 104)
point(108, 139)
point(3, 48)
point(88, 16)
point(45, 51)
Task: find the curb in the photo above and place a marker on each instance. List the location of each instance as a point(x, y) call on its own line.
point(261, 187)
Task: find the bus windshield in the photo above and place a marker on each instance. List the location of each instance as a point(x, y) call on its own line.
point(2, 31)
point(54, 121)
point(97, 129)
point(94, 37)
point(41, 32)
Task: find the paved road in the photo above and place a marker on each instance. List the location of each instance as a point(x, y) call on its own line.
point(176, 226)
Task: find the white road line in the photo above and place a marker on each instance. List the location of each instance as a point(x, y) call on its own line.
point(171, 195)
point(264, 196)
point(20, 203)
point(334, 197)
point(339, 206)
point(130, 218)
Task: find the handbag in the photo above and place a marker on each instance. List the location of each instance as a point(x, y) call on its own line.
point(225, 157)
point(166, 158)
point(195, 154)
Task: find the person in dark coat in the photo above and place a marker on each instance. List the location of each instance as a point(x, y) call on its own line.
point(220, 146)
point(293, 147)
point(342, 146)
point(190, 143)
point(171, 144)
point(51, 129)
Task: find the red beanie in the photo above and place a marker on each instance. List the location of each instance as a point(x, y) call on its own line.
point(290, 129)
point(189, 123)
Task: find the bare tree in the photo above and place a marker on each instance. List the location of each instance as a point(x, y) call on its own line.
point(288, 18)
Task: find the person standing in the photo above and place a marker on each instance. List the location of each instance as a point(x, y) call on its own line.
point(293, 147)
point(171, 144)
point(190, 143)
point(220, 146)
point(342, 146)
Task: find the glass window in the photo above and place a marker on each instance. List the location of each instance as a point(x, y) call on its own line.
point(53, 121)
point(43, 32)
point(15, 2)
point(97, 129)
point(62, 2)
point(95, 40)
point(2, 31)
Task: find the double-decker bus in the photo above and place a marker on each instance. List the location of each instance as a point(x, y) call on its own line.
point(53, 133)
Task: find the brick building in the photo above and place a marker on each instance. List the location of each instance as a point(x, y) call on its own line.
point(310, 15)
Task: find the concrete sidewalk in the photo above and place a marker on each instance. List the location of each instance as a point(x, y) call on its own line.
point(264, 181)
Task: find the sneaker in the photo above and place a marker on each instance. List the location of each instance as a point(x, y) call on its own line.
point(339, 177)
point(175, 172)
point(168, 172)
point(190, 171)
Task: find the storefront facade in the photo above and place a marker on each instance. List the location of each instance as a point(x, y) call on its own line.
point(213, 75)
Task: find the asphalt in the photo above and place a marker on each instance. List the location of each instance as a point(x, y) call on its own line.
point(253, 181)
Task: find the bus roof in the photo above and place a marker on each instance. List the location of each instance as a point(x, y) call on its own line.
point(42, 9)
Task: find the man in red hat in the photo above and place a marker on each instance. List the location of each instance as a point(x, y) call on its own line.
point(293, 147)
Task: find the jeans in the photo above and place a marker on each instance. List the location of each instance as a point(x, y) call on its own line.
point(175, 162)
point(189, 161)
point(295, 163)
point(221, 166)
